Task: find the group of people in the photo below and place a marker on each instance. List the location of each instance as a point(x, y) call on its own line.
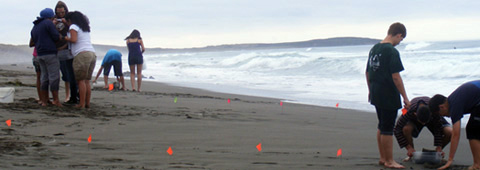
point(385, 87)
point(62, 43)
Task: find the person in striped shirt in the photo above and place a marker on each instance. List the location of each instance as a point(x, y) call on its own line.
point(411, 124)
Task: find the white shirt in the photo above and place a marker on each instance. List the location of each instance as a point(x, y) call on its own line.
point(83, 41)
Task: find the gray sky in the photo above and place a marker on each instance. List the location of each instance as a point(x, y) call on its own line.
point(197, 23)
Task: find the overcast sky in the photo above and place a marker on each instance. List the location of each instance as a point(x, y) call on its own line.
point(198, 23)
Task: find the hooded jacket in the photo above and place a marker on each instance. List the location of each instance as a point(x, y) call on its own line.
point(44, 35)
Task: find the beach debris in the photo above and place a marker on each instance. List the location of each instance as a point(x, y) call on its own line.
point(90, 138)
point(188, 116)
point(170, 151)
point(339, 152)
point(404, 111)
point(259, 147)
point(9, 122)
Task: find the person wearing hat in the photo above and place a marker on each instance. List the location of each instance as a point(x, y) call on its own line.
point(410, 124)
point(44, 35)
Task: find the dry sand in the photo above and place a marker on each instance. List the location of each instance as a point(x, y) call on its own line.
point(132, 130)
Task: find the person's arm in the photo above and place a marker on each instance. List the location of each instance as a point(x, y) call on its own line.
point(453, 145)
point(73, 36)
point(368, 85)
point(397, 79)
point(31, 44)
point(98, 74)
point(141, 44)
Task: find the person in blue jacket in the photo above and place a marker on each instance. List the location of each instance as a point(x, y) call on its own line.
point(43, 37)
point(112, 58)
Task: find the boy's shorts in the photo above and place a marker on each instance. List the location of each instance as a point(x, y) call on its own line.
point(117, 68)
point(473, 125)
point(386, 120)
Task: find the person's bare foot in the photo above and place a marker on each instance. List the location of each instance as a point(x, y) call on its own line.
point(57, 103)
point(79, 106)
point(472, 168)
point(394, 165)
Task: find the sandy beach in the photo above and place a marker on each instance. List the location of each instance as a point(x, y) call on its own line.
point(134, 130)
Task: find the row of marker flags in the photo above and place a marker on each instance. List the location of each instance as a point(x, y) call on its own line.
point(169, 150)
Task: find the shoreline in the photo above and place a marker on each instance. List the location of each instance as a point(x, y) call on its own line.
point(133, 130)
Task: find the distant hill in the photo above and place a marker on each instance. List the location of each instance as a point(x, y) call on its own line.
point(23, 53)
point(330, 42)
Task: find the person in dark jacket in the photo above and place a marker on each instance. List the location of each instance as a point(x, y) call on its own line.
point(43, 36)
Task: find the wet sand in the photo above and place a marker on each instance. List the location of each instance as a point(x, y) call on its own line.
point(133, 130)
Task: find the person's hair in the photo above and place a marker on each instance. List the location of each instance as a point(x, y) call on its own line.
point(61, 4)
point(397, 28)
point(423, 114)
point(435, 102)
point(135, 34)
point(79, 19)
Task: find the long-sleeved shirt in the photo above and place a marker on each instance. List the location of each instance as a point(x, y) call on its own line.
point(44, 35)
point(435, 125)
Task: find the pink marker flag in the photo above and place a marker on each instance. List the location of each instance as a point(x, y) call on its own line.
point(228, 100)
point(281, 103)
point(339, 152)
point(337, 105)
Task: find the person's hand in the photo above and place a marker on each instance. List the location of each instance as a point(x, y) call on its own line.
point(439, 149)
point(448, 164)
point(410, 152)
point(407, 104)
point(94, 81)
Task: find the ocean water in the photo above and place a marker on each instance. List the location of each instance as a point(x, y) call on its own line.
point(321, 76)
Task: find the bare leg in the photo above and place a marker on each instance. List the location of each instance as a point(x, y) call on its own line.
point(56, 100)
point(122, 82)
point(475, 147)
point(88, 93)
point(82, 91)
point(67, 91)
point(447, 136)
point(40, 97)
point(44, 97)
point(105, 80)
point(139, 75)
point(132, 76)
point(382, 155)
point(387, 146)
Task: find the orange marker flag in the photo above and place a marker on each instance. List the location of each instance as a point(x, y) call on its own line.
point(259, 147)
point(404, 111)
point(337, 105)
point(169, 151)
point(110, 87)
point(228, 100)
point(9, 122)
point(90, 138)
point(339, 152)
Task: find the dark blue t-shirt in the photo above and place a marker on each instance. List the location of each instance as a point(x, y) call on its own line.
point(463, 100)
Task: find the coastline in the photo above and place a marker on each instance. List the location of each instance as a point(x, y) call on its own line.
point(134, 130)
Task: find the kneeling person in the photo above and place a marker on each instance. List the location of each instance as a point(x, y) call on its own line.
point(112, 58)
point(418, 116)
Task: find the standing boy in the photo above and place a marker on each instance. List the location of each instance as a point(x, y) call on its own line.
point(385, 86)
